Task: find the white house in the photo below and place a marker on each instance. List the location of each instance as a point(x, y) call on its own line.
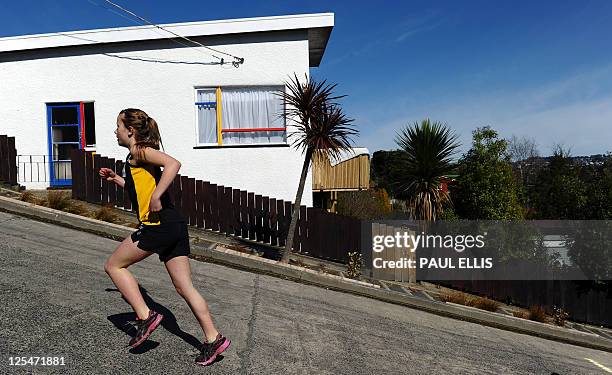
point(61, 91)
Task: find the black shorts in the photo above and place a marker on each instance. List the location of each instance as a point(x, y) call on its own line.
point(168, 240)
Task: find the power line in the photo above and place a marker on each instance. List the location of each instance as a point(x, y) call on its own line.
point(141, 58)
point(115, 12)
point(157, 32)
point(236, 63)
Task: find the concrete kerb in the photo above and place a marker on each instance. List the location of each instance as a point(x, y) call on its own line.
point(254, 263)
point(66, 219)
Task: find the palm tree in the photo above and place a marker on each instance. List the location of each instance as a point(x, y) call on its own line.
point(321, 130)
point(428, 147)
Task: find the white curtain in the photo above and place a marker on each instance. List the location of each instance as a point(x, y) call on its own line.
point(207, 117)
point(252, 107)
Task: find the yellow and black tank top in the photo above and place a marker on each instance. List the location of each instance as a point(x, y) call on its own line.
point(140, 181)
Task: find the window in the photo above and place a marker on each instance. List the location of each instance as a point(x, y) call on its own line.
point(70, 126)
point(240, 116)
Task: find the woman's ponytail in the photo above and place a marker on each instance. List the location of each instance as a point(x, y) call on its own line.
point(146, 130)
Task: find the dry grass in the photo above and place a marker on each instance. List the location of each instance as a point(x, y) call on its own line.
point(467, 300)
point(521, 314)
point(76, 208)
point(28, 196)
point(57, 200)
point(62, 200)
point(106, 214)
point(538, 314)
point(485, 304)
point(237, 247)
point(321, 267)
point(456, 297)
point(297, 262)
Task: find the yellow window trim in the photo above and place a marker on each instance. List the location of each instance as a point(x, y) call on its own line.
point(219, 138)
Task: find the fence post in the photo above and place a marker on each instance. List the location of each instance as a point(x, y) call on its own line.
point(273, 223)
point(4, 162)
point(119, 171)
point(251, 214)
point(89, 195)
point(12, 160)
point(104, 190)
point(97, 181)
point(265, 202)
point(236, 212)
point(76, 173)
point(244, 214)
point(199, 184)
point(112, 187)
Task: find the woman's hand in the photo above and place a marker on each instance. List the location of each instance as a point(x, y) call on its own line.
point(155, 204)
point(108, 174)
point(154, 208)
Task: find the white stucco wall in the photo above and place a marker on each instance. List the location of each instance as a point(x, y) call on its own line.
point(166, 93)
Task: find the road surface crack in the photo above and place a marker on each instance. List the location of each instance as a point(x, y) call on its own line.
point(250, 341)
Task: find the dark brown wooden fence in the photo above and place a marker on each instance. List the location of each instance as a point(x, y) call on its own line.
point(8, 160)
point(231, 211)
point(583, 302)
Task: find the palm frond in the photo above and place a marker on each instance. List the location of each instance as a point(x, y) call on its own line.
point(319, 122)
point(429, 147)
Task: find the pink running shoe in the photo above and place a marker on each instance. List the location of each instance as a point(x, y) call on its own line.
point(145, 327)
point(210, 351)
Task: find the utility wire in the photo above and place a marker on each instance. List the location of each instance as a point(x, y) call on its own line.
point(238, 60)
point(115, 12)
point(157, 32)
point(140, 58)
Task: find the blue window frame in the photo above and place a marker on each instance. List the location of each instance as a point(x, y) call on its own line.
point(64, 124)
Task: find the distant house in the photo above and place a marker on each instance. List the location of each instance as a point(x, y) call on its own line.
point(447, 181)
point(349, 172)
point(62, 91)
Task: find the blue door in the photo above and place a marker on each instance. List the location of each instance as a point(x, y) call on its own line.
point(64, 132)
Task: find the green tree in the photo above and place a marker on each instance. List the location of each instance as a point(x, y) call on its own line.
point(599, 189)
point(321, 129)
point(560, 192)
point(386, 171)
point(486, 188)
point(369, 204)
point(428, 149)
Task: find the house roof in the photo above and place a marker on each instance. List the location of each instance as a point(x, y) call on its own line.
point(347, 155)
point(319, 26)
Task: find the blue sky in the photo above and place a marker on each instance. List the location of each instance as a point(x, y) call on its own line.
point(537, 69)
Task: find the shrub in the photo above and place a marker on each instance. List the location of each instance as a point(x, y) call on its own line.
point(484, 304)
point(559, 316)
point(521, 314)
point(538, 313)
point(58, 200)
point(456, 297)
point(76, 208)
point(353, 268)
point(28, 196)
point(364, 204)
point(106, 214)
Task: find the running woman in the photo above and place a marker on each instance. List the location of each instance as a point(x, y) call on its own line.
point(162, 230)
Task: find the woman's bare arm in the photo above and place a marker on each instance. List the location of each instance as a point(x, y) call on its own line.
point(171, 167)
point(110, 175)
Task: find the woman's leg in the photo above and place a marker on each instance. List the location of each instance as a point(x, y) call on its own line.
point(126, 254)
point(180, 273)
